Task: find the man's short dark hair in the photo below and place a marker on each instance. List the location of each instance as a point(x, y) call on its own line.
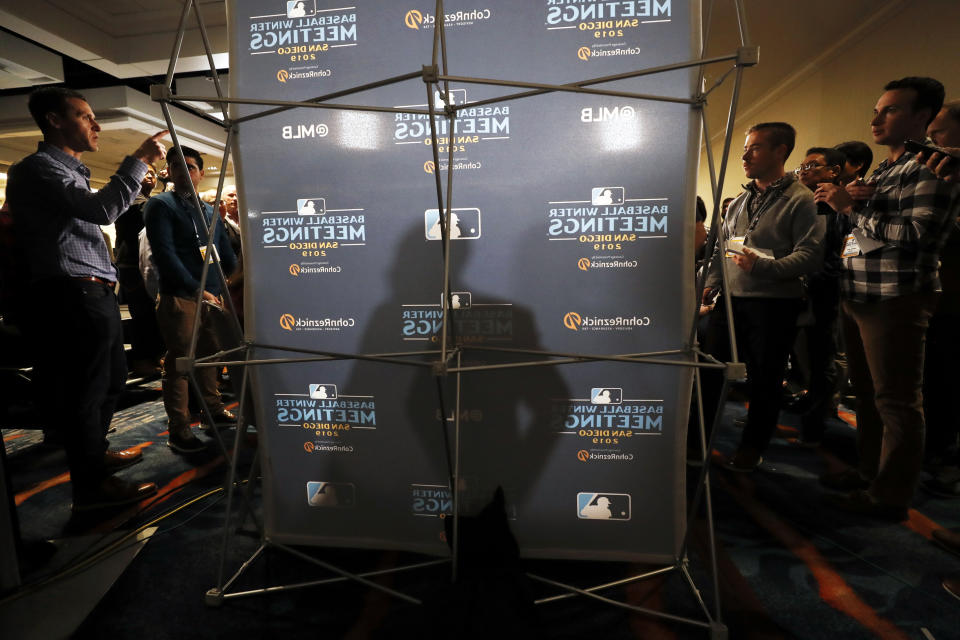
point(929, 93)
point(953, 109)
point(858, 153)
point(831, 155)
point(50, 99)
point(779, 133)
point(187, 153)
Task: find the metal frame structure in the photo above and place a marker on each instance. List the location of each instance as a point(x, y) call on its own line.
point(447, 362)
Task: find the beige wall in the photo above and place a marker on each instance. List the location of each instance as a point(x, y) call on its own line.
point(834, 103)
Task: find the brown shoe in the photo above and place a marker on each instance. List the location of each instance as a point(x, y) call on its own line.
point(183, 441)
point(222, 418)
point(111, 492)
point(224, 415)
point(116, 460)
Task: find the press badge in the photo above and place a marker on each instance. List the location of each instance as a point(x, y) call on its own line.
point(851, 247)
point(735, 246)
point(203, 253)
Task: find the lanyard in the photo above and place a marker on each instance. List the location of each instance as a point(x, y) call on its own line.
point(756, 218)
point(188, 205)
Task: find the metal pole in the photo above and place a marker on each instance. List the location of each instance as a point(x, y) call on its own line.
point(213, 67)
point(199, 301)
point(742, 23)
point(456, 476)
point(443, 214)
point(286, 105)
point(719, 253)
point(177, 44)
point(548, 88)
point(231, 478)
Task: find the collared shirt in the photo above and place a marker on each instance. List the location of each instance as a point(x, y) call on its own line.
point(756, 203)
point(58, 218)
point(786, 227)
point(175, 240)
point(911, 213)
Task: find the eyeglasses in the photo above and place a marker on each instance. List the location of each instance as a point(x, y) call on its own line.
point(810, 166)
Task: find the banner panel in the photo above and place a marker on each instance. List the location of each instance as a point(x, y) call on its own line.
point(571, 232)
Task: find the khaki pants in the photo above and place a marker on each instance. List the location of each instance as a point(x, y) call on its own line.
point(885, 344)
point(175, 316)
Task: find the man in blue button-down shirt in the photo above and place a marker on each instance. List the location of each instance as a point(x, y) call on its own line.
point(73, 317)
point(178, 239)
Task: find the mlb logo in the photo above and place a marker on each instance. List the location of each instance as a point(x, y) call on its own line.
point(603, 506)
point(458, 300)
point(606, 395)
point(464, 224)
point(311, 206)
point(331, 494)
point(323, 391)
point(301, 8)
point(606, 195)
point(452, 97)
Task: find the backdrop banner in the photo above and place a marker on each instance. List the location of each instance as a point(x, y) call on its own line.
point(572, 231)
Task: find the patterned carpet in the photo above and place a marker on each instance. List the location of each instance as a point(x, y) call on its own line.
point(790, 567)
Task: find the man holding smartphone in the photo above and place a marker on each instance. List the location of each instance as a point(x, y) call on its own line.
point(177, 237)
point(900, 220)
point(945, 133)
point(822, 164)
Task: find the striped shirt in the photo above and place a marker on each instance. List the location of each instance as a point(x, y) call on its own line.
point(58, 218)
point(911, 213)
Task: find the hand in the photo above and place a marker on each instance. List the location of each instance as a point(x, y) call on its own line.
point(747, 260)
point(151, 151)
point(860, 190)
point(705, 309)
point(705, 297)
point(945, 167)
point(212, 299)
point(835, 196)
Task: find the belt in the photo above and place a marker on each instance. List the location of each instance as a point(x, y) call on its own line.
point(106, 283)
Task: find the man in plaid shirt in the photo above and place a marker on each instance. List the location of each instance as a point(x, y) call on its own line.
point(900, 219)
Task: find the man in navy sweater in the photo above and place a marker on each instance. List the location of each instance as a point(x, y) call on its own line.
point(178, 238)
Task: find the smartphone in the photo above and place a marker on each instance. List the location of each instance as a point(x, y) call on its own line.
point(919, 147)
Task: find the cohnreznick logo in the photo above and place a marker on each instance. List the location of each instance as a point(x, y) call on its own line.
point(584, 53)
point(576, 322)
point(295, 270)
point(413, 19)
point(583, 264)
point(288, 322)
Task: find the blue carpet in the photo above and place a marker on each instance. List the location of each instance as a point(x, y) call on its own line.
point(790, 567)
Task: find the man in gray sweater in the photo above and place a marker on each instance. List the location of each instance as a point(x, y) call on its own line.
point(772, 236)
